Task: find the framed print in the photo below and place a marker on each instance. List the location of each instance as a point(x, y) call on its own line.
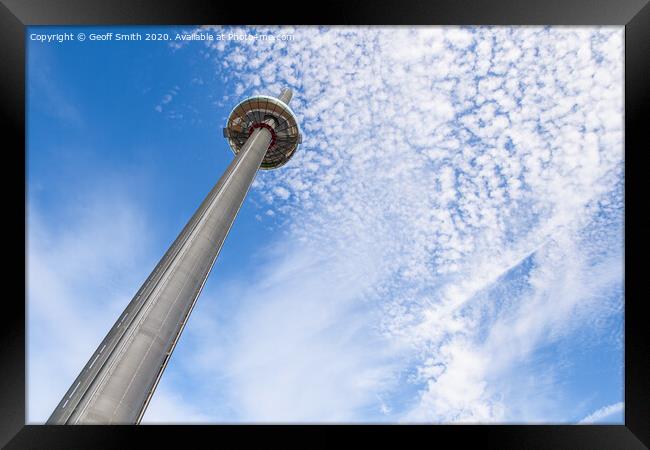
point(389, 220)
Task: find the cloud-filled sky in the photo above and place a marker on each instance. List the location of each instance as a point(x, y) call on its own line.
point(445, 247)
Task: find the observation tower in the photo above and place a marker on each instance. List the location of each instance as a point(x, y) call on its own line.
point(117, 383)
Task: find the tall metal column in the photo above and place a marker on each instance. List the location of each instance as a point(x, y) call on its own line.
point(118, 381)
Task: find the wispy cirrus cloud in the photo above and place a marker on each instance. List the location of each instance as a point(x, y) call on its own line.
point(48, 95)
point(611, 412)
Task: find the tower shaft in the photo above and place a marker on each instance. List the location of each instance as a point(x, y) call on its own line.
point(116, 384)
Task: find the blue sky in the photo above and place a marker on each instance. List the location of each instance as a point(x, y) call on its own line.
point(445, 247)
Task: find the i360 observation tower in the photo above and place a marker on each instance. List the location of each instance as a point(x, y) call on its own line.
point(117, 383)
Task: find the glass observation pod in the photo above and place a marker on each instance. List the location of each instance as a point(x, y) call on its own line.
point(250, 114)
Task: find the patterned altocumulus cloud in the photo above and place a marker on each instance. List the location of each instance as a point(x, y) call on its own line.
point(464, 184)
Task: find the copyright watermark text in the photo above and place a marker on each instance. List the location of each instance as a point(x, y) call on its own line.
point(59, 38)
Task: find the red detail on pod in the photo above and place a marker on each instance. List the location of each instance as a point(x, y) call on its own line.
point(268, 127)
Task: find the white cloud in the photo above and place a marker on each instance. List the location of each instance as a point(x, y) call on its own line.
point(167, 98)
point(171, 408)
point(281, 192)
point(606, 414)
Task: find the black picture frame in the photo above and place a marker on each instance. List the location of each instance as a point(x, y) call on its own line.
point(15, 15)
